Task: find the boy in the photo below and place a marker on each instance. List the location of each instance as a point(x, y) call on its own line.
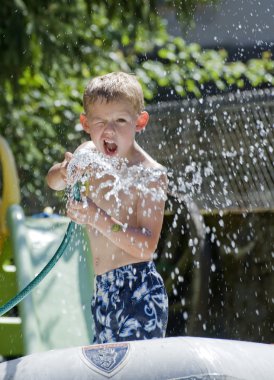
point(130, 300)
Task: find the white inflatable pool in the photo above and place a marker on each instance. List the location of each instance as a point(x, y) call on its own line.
point(159, 359)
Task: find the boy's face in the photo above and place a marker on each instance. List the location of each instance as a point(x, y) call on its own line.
point(112, 127)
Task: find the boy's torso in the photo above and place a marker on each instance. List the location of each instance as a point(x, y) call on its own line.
point(122, 207)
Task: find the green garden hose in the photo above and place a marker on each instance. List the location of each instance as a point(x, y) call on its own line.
point(55, 258)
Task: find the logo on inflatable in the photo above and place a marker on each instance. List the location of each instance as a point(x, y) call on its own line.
point(106, 359)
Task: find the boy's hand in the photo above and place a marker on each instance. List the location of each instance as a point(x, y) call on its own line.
point(80, 214)
point(64, 166)
point(57, 175)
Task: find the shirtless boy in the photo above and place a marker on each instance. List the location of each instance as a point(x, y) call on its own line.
point(130, 301)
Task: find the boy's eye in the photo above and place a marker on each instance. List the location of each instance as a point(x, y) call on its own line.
point(99, 123)
point(121, 121)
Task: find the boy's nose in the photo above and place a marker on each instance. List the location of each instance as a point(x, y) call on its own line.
point(110, 126)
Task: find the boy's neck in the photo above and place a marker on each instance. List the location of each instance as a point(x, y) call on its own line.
point(137, 155)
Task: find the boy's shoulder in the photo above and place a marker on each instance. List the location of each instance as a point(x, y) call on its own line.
point(86, 145)
point(150, 163)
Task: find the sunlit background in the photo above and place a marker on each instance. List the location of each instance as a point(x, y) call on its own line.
point(207, 71)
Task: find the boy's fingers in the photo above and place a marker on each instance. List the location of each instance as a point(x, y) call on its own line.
point(68, 156)
point(75, 205)
point(76, 216)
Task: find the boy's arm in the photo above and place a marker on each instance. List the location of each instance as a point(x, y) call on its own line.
point(140, 241)
point(57, 174)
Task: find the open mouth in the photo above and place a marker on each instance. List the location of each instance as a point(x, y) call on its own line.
point(110, 147)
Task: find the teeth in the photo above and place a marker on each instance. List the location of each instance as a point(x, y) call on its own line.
point(110, 146)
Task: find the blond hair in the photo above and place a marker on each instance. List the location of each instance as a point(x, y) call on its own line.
point(114, 87)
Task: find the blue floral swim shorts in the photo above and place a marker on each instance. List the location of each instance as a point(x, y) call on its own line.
point(130, 303)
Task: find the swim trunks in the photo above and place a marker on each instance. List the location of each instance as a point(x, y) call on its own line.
point(130, 303)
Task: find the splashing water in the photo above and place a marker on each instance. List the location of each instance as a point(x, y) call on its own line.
point(87, 162)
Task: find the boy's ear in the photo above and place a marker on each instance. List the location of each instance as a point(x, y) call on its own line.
point(84, 122)
point(142, 121)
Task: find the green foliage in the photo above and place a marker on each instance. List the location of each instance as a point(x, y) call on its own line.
point(50, 49)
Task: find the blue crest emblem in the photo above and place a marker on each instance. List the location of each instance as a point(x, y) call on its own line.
point(106, 359)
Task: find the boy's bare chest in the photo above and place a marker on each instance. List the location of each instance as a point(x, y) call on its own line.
point(115, 200)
